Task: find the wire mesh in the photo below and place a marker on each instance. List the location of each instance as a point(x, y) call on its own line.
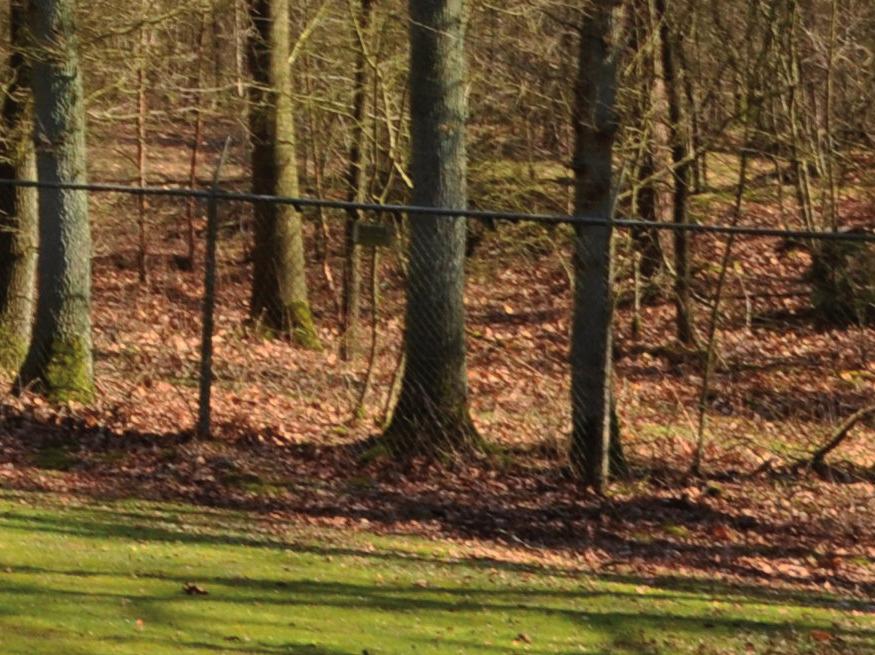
point(770, 373)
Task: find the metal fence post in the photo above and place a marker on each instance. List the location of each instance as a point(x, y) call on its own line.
point(204, 421)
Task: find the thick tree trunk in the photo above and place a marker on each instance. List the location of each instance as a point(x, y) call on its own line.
point(595, 124)
point(352, 274)
point(432, 411)
point(59, 361)
point(18, 206)
point(280, 301)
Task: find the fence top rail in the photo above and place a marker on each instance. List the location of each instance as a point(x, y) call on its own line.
point(588, 221)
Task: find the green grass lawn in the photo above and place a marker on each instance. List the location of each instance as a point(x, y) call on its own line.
point(80, 577)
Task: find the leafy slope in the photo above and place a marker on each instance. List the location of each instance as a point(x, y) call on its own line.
point(112, 578)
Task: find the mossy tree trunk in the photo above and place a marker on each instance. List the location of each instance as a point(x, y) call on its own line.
point(279, 302)
point(595, 126)
point(18, 206)
point(59, 360)
point(432, 412)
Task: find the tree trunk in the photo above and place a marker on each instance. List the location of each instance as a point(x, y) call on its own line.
point(279, 290)
point(142, 148)
point(352, 274)
point(192, 203)
point(239, 49)
point(432, 411)
point(681, 175)
point(645, 202)
point(595, 124)
point(645, 195)
point(59, 361)
point(18, 206)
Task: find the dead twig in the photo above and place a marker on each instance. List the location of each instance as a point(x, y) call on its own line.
point(817, 461)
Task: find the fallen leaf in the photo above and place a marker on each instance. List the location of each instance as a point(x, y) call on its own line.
point(192, 589)
point(720, 532)
point(821, 635)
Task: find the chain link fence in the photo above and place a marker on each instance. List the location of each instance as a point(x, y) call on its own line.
point(770, 375)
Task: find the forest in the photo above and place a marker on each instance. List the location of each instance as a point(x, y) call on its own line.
point(359, 326)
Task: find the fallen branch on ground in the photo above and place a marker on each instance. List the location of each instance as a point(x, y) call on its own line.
point(841, 433)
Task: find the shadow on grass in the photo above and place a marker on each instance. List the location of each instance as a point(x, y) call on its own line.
point(626, 620)
point(191, 526)
point(534, 507)
point(625, 630)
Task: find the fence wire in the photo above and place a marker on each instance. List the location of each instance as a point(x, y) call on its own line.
point(770, 372)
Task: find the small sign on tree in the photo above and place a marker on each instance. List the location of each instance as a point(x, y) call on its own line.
point(376, 235)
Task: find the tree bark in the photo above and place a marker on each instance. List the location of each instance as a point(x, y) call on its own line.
point(647, 239)
point(142, 149)
point(192, 203)
point(59, 361)
point(432, 412)
point(279, 301)
point(352, 274)
point(681, 175)
point(595, 126)
point(18, 206)
point(645, 195)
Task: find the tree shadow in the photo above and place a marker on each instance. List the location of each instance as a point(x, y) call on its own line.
point(192, 529)
point(615, 626)
point(525, 507)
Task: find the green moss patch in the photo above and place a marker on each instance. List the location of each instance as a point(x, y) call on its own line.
point(304, 329)
point(66, 374)
point(12, 351)
point(54, 459)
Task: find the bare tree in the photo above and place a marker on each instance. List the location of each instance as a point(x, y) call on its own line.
point(681, 170)
point(280, 300)
point(18, 206)
point(595, 127)
point(432, 411)
point(356, 177)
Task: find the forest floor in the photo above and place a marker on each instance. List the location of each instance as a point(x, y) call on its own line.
point(133, 577)
point(287, 422)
